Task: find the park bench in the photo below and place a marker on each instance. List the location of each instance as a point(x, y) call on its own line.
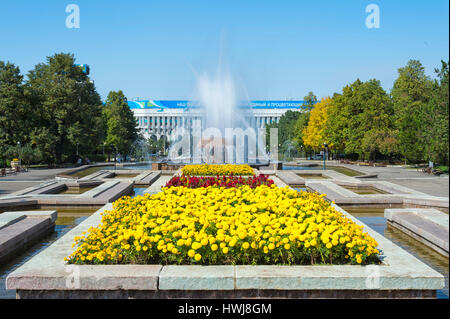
point(10, 171)
point(437, 172)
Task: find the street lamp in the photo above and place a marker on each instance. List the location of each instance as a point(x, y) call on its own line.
point(325, 152)
point(18, 152)
point(115, 158)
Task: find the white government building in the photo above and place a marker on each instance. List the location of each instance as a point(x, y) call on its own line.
point(159, 118)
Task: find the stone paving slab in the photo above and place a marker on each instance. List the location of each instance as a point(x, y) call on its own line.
point(156, 186)
point(50, 189)
point(100, 189)
point(32, 189)
point(290, 178)
point(15, 236)
point(429, 201)
point(278, 182)
point(337, 176)
point(147, 178)
point(79, 183)
point(353, 277)
point(9, 218)
point(100, 195)
point(394, 188)
point(89, 277)
point(97, 175)
point(397, 194)
point(17, 202)
point(113, 193)
point(193, 277)
point(333, 192)
point(429, 226)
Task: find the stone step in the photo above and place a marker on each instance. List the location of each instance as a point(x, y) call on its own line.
point(54, 188)
point(147, 179)
point(291, 178)
point(115, 192)
point(17, 202)
point(18, 235)
point(429, 226)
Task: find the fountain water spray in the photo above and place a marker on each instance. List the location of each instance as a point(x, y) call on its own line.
point(224, 134)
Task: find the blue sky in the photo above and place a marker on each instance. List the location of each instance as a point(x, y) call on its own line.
point(275, 49)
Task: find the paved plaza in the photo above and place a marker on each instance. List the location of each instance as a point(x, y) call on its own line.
point(16, 182)
point(411, 178)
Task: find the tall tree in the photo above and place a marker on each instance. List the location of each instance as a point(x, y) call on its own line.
point(310, 100)
point(435, 135)
point(67, 108)
point(411, 93)
point(299, 126)
point(286, 131)
point(13, 109)
point(314, 135)
point(360, 119)
point(121, 129)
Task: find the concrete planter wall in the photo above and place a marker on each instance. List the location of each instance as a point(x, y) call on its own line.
point(47, 276)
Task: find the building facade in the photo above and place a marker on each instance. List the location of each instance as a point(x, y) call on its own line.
point(160, 118)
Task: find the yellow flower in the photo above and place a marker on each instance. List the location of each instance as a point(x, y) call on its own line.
point(184, 222)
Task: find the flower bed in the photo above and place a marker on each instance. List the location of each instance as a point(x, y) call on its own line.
point(217, 225)
point(224, 181)
point(217, 169)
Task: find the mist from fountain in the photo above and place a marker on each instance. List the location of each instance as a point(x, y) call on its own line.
point(224, 116)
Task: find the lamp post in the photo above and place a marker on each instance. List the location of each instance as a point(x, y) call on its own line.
point(325, 153)
point(18, 153)
point(115, 158)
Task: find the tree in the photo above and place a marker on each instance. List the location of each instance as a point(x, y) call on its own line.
point(435, 135)
point(121, 129)
point(360, 120)
point(314, 135)
point(27, 154)
point(67, 109)
point(299, 126)
point(286, 130)
point(310, 100)
point(13, 108)
point(411, 93)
